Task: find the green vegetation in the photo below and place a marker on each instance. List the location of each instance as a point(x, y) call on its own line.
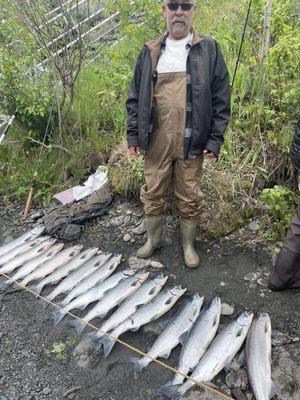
point(90, 129)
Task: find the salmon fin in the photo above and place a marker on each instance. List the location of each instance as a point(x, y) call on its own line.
point(273, 391)
point(102, 315)
point(137, 366)
point(227, 368)
point(166, 355)
point(108, 344)
point(78, 325)
point(170, 391)
point(135, 329)
point(58, 316)
point(183, 337)
point(163, 324)
point(43, 303)
point(37, 289)
point(5, 284)
point(241, 358)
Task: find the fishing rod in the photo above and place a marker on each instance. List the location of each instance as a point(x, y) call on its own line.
point(242, 42)
point(6, 129)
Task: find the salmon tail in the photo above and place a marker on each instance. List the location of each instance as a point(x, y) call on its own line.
point(37, 289)
point(108, 345)
point(171, 391)
point(78, 325)
point(138, 365)
point(43, 303)
point(58, 316)
point(5, 284)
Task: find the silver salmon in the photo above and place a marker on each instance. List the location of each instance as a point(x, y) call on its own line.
point(147, 292)
point(176, 332)
point(31, 265)
point(149, 312)
point(258, 358)
point(22, 248)
point(25, 237)
point(200, 337)
point(114, 297)
point(92, 295)
point(48, 267)
point(30, 254)
point(94, 279)
point(63, 271)
point(218, 356)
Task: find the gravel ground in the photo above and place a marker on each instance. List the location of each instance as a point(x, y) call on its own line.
point(41, 362)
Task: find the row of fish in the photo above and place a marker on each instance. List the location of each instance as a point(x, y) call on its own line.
point(89, 276)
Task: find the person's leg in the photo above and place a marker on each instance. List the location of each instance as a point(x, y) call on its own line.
point(158, 174)
point(188, 199)
point(287, 267)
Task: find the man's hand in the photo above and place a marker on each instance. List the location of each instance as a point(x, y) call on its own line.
point(209, 154)
point(135, 150)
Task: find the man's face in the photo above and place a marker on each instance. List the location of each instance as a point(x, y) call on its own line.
point(179, 21)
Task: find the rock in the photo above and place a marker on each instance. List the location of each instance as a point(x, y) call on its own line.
point(280, 339)
point(226, 309)
point(47, 390)
point(138, 263)
point(237, 379)
point(36, 215)
point(286, 373)
point(85, 355)
point(127, 220)
point(140, 229)
point(251, 277)
point(127, 237)
point(254, 226)
point(169, 219)
point(197, 393)
point(117, 221)
point(156, 264)
point(238, 394)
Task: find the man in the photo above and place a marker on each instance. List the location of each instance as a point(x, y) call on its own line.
point(287, 267)
point(178, 111)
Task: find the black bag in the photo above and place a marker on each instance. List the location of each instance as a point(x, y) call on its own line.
point(64, 221)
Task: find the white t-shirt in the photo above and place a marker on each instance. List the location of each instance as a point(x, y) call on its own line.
point(173, 58)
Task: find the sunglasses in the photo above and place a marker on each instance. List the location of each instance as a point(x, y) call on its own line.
point(184, 6)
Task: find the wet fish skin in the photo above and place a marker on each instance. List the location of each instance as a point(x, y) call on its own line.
point(219, 354)
point(66, 269)
point(31, 265)
point(258, 358)
point(176, 332)
point(114, 297)
point(200, 337)
point(22, 248)
point(149, 312)
point(25, 237)
point(147, 292)
point(48, 267)
point(28, 255)
point(92, 295)
point(71, 281)
point(94, 279)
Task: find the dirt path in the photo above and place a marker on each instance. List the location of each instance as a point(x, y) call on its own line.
point(37, 360)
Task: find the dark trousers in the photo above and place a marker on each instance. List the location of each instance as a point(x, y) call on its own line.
point(287, 267)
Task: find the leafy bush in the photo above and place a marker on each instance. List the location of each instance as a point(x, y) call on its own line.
point(281, 207)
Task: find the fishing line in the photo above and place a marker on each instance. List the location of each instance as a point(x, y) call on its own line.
point(121, 342)
point(242, 42)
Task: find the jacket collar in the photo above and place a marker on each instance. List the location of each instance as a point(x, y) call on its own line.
point(157, 45)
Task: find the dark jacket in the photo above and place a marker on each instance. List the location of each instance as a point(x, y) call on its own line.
point(210, 95)
point(295, 149)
